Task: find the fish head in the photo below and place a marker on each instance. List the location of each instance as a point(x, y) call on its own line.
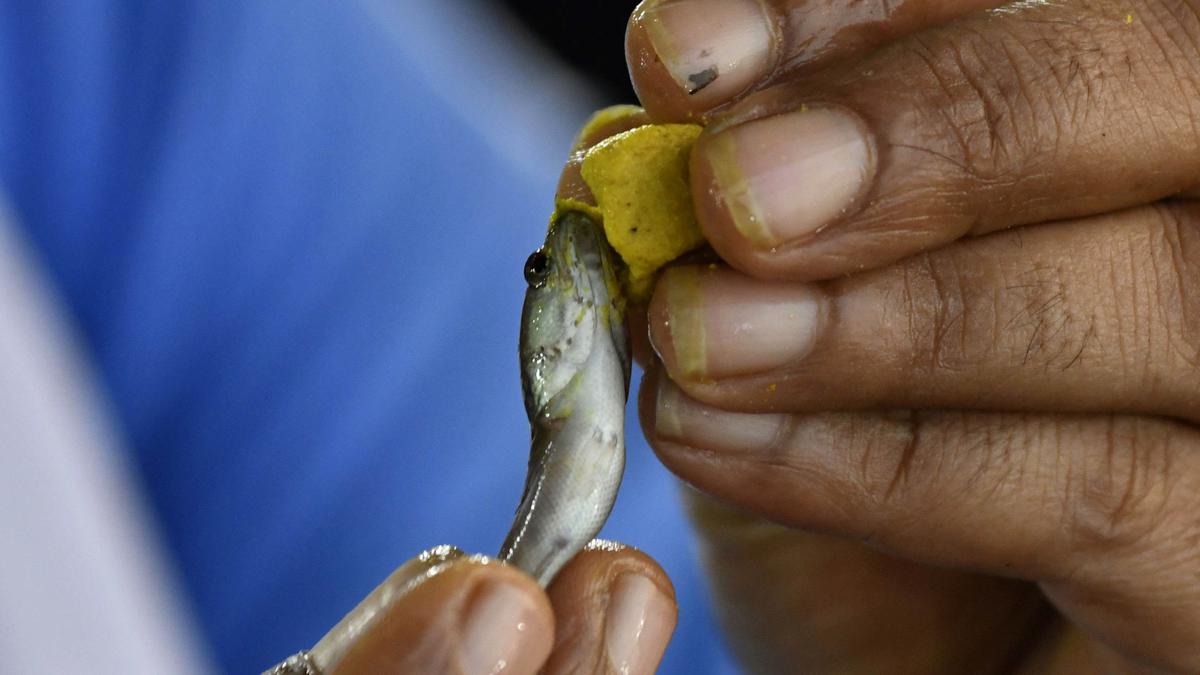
point(573, 307)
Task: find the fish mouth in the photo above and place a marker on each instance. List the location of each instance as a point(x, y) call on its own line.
point(577, 238)
point(599, 281)
point(588, 235)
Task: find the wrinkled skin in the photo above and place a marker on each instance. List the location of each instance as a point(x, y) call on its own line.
point(941, 396)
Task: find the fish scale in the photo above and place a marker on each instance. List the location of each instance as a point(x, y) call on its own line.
point(575, 366)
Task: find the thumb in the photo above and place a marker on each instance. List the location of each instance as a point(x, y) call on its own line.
point(439, 612)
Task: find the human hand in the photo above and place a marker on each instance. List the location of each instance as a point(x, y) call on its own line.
point(1011, 417)
point(611, 609)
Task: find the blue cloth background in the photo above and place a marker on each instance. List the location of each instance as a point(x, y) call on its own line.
point(295, 251)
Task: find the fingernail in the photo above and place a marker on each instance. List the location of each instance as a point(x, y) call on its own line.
point(712, 48)
point(500, 627)
point(684, 321)
point(721, 323)
point(638, 626)
point(332, 648)
point(679, 418)
point(787, 176)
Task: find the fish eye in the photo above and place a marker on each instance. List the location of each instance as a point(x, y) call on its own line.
point(537, 268)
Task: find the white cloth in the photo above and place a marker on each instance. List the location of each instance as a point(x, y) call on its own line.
point(83, 585)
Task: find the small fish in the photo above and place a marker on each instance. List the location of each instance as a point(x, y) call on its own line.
point(575, 361)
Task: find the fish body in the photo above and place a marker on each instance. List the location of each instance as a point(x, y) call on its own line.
point(575, 364)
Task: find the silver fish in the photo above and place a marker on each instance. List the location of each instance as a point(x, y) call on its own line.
point(575, 362)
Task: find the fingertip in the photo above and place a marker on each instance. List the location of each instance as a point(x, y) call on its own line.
point(715, 451)
point(467, 614)
point(610, 122)
point(658, 320)
point(507, 623)
point(615, 605)
point(731, 340)
point(656, 90)
point(593, 571)
point(675, 329)
point(603, 124)
point(602, 554)
point(710, 201)
point(639, 334)
point(687, 57)
point(571, 186)
point(776, 178)
point(335, 644)
point(641, 619)
point(654, 399)
point(647, 393)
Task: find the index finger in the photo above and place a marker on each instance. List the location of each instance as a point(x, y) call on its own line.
point(1037, 113)
point(605, 123)
point(688, 57)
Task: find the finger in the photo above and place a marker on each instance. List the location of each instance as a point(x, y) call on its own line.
point(616, 612)
point(605, 123)
point(687, 57)
point(1017, 116)
point(1097, 315)
point(332, 648)
point(849, 608)
point(1101, 510)
point(443, 612)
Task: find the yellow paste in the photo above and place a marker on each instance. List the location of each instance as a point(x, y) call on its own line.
point(640, 181)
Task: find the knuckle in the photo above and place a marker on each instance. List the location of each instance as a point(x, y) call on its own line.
point(892, 463)
point(1008, 93)
point(939, 463)
point(995, 454)
point(1045, 330)
point(1171, 60)
point(941, 452)
point(938, 304)
point(1174, 27)
point(874, 467)
point(1005, 102)
point(975, 108)
point(963, 312)
point(1121, 498)
point(894, 479)
point(1175, 266)
point(1157, 302)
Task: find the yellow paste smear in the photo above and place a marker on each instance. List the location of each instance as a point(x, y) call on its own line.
point(640, 181)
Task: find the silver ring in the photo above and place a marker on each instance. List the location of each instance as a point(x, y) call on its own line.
point(296, 664)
